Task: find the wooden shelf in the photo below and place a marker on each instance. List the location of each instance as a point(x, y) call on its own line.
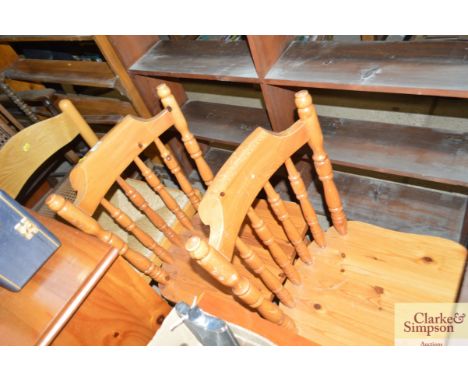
point(32, 38)
point(212, 60)
point(225, 124)
point(438, 68)
point(420, 153)
point(393, 205)
point(85, 73)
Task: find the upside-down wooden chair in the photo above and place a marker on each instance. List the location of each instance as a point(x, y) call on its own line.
point(93, 177)
point(351, 275)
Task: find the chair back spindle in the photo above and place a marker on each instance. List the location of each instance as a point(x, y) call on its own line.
point(308, 115)
point(282, 215)
point(308, 210)
point(87, 224)
point(258, 267)
point(221, 269)
point(180, 123)
point(130, 226)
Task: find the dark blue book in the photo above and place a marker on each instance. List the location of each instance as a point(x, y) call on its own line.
point(25, 244)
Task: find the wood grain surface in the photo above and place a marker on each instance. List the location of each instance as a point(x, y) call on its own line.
point(418, 67)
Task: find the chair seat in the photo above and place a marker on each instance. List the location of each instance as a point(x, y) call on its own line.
point(348, 294)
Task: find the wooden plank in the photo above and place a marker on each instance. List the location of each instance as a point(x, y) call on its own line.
point(226, 124)
point(416, 67)
point(85, 73)
point(266, 50)
point(392, 205)
point(215, 60)
point(121, 303)
point(89, 105)
point(348, 296)
point(421, 153)
point(33, 38)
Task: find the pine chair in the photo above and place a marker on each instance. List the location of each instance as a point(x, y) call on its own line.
point(25, 152)
point(94, 176)
point(351, 275)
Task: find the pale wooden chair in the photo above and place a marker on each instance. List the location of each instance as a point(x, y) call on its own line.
point(94, 176)
point(23, 153)
point(351, 275)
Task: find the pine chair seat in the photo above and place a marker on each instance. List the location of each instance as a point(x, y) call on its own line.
point(347, 296)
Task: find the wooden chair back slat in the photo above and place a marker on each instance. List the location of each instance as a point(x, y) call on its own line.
point(282, 215)
point(299, 189)
point(308, 115)
point(221, 269)
point(237, 184)
point(131, 226)
point(101, 167)
point(81, 220)
point(256, 265)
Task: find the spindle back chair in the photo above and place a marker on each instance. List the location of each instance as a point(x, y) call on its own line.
point(351, 276)
point(102, 166)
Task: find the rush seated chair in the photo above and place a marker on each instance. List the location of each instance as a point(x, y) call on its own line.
point(178, 279)
point(344, 288)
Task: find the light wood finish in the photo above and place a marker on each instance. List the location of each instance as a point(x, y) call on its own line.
point(281, 213)
point(221, 269)
point(129, 225)
point(276, 252)
point(93, 177)
point(67, 312)
point(348, 296)
point(167, 198)
point(174, 167)
point(26, 151)
point(101, 167)
point(229, 197)
point(258, 267)
point(308, 210)
point(308, 115)
point(142, 204)
point(190, 143)
point(122, 309)
point(87, 224)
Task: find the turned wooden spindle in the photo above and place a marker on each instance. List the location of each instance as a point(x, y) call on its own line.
point(223, 271)
point(257, 266)
point(174, 167)
point(308, 115)
point(277, 253)
point(87, 224)
point(91, 139)
point(156, 184)
point(140, 202)
point(180, 123)
point(308, 210)
point(130, 226)
point(282, 214)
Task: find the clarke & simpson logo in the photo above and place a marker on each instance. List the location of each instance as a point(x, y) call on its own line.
point(431, 324)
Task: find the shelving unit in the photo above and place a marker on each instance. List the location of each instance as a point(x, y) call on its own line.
point(89, 83)
point(381, 166)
